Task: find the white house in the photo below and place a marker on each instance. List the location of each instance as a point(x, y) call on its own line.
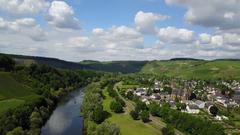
point(222, 100)
point(200, 104)
point(192, 108)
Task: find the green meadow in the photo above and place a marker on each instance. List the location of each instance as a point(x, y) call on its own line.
point(12, 93)
point(127, 125)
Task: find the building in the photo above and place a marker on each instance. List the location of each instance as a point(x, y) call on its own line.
point(200, 104)
point(193, 109)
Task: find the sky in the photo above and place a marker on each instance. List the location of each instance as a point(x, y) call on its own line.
point(105, 30)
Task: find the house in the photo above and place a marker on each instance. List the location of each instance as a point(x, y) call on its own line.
point(172, 104)
point(140, 92)
point(146, 100)
point(155, 96)
point(200, 104)
point(192, 108)
point(222, 100)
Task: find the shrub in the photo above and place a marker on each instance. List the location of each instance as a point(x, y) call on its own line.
point(134, 115)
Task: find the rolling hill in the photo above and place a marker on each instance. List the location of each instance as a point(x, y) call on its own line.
point(177, 67)
point(111, 66)
point(12, 93)
point(228, 69)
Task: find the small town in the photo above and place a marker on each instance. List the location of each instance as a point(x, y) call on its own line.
point(192, 99)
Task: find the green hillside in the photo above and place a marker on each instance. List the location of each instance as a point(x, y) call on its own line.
point(12, 93)
point(228, 69)
point(115, 66)
point(109, 66)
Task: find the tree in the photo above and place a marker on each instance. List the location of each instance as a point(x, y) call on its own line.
point(192, 96)
point(145, 116)
point(16, 131)
point(154, 108)
point(107, 129)
point(130, 95)
point(213, 110)
point(98, 114)
point(6, 63)
point(36, 120)
point(116, 106)
point(140, 106)
point(168, 130)
point(181, 106)
point(167, 89)
point(118, 99)
point(35, 131)
point(134, 115)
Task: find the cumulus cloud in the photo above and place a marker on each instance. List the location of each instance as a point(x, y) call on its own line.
point(204, 38)
point(115, 38)
point(212, 13)
point(61, 16)
point(145, 21)
point(175, 35)
point(25, 26)
point(23, 7)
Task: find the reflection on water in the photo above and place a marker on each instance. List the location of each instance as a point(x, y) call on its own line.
point(65, 119)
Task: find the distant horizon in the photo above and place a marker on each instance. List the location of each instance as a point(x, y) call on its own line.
point(177, 58)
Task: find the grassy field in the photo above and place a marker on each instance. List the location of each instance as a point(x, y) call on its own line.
point(195, 69)
point(10, 103)
point(12, 93)
point(127, 125)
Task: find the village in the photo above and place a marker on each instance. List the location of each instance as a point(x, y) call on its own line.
point(191, 98)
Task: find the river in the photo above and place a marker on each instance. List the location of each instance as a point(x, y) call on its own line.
point(65, 119)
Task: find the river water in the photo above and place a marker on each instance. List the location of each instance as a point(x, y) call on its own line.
point(66, 120)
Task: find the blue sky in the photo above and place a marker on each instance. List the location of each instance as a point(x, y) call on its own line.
point(120, 29)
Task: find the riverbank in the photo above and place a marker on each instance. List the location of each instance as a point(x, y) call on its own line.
point(66, 119)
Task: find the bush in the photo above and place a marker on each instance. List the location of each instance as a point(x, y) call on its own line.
point(107, 129)
point(169, 130)
point(134, 115)
point(145, 116)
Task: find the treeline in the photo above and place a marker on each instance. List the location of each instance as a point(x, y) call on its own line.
point(6, 63)
point(93, 112)
point(49, 84)
point(30, 115)
point(186, 122)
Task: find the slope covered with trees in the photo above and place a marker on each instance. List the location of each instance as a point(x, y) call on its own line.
point(28, 94)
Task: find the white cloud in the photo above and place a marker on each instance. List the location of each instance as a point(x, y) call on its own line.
point(25, 26)
point(204, 38)
point(145, 21)
point(23, 7)
point(212, 13)
point(232, 39)
point(61, 16)
point(217, 40)
point(175, 35)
